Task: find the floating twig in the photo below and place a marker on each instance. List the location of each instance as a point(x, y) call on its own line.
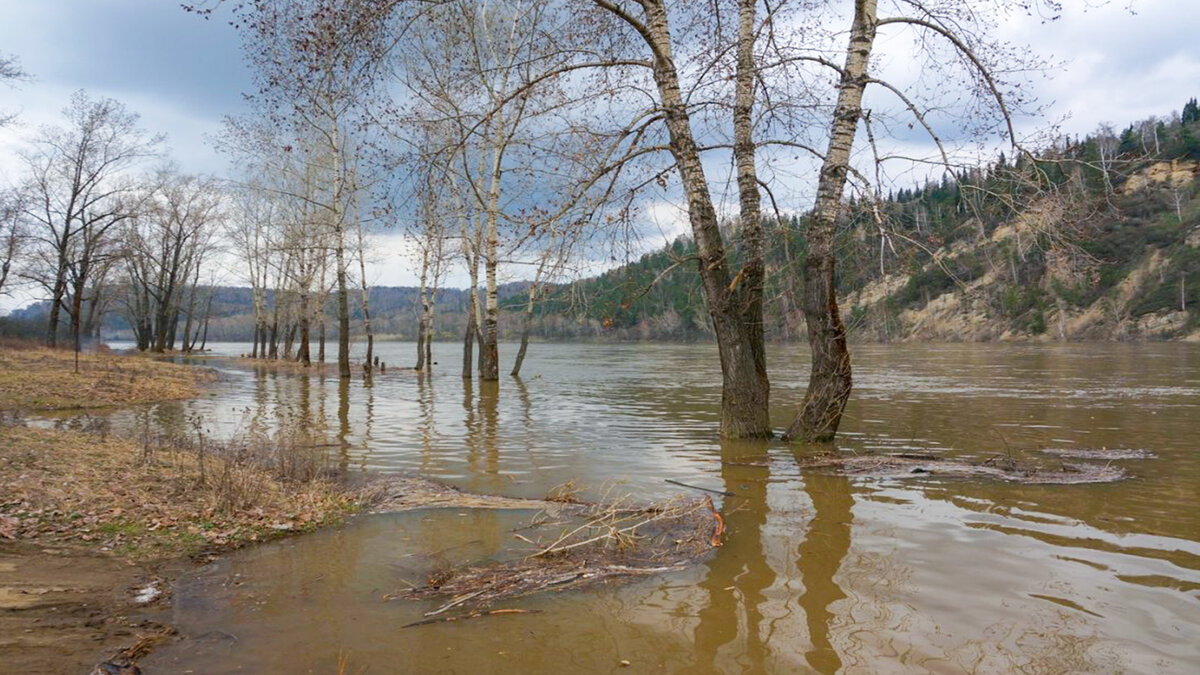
point(473, 615)
point(702, 489)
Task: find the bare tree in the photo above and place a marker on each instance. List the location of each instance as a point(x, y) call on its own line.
point(770, 74)
point(80, 191)
point(468, 68)
point(165, 245)
point(10, 72)
point(431, 215)
point(757, 84)
point(12, 233)
point(556, 251)
point(829, 382)
point(248, 230)
point(315, 62)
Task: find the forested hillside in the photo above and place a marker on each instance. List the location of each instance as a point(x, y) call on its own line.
point(1097, 239)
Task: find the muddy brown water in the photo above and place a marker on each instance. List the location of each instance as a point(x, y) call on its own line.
point(819, 573)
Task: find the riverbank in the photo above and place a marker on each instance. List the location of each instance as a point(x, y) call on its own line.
point(96, 526)
point(93, 525)
point(35, 378)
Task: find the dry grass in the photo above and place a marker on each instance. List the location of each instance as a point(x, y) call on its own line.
point(290, 365)
point(38, 378)
point(160, 497)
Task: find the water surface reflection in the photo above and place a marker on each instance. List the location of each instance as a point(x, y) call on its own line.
point(819, 573)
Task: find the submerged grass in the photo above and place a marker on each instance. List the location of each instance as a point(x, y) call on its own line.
point(145, 498)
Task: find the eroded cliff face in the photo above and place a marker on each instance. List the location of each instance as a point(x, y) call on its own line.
point(1131, 277)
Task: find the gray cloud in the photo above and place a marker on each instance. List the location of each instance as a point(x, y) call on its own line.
point(180, 72)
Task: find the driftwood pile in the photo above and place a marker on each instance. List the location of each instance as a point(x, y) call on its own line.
point(600, 542)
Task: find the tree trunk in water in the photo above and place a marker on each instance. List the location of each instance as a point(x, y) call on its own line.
point(207, 316)
point(469, 344)
point(289, 340)
point(528, 319)
point(302, 352)
point(321, 341)
point(343, 303)
point(202, 325)
point(745, 391)
point(424, 299)
point(829, 382)
point(516, 371)
point(187, 333)
point(420, 344)
point(273, 352)
point(365, 299)
point(429, 323)
point(187, 325)
point(489, 351)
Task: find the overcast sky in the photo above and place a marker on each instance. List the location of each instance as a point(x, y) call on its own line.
point(183, 73)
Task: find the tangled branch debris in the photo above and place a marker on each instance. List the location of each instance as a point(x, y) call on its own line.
point(999, 467)
point(608, 540)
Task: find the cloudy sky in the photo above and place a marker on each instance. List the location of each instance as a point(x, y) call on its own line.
point(183, 73)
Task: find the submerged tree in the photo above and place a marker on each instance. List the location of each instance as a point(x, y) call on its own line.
point(769, 71)
point(316, 62)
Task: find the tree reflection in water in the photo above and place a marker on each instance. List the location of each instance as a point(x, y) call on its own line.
point(738, 574)
point(820, 556)
point(343, 414)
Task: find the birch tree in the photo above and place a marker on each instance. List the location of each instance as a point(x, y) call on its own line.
point(468, 66)
point(770, 75)
point(316, 63)
point(777, 91)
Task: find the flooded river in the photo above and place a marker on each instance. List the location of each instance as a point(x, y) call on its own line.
point(818, 573)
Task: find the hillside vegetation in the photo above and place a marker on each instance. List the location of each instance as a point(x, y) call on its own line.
point(1096, 239)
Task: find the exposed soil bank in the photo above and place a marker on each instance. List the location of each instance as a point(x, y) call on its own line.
point(64, 609)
